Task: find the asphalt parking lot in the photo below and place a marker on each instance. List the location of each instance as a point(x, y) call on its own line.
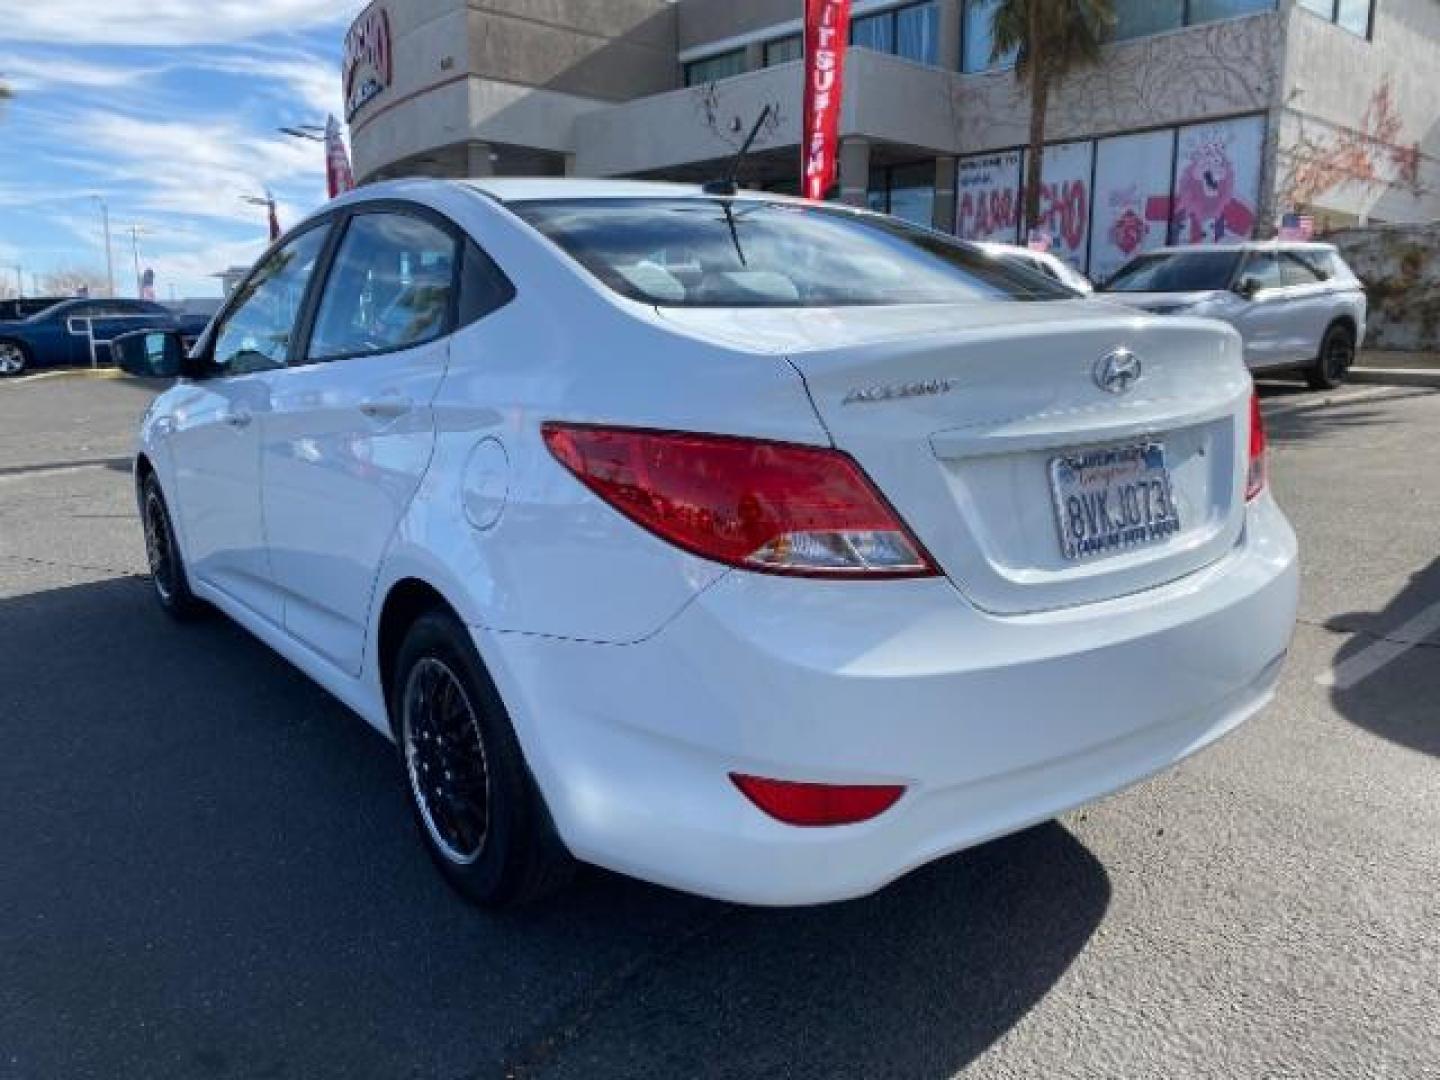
point(207, 867)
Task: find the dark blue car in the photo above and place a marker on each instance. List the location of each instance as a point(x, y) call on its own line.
point(76, 332)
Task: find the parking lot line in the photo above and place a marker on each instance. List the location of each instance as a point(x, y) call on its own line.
point(11, 476)
point(1372, 658)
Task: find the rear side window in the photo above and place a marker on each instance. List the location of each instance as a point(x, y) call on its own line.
point(483, 286)
point(391, 287)
point(1176, 271)
point(1298, 268)
point(718, 252)
point(1264, 269)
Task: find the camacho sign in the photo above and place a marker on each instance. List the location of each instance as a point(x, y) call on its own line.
point(366, 67)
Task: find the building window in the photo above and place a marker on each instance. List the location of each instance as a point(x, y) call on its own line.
point(1133, 19)
point(783, 50)
point(911, 31)
point(1140, 18)
point(1203, 11)
point(977, 41)
point(904, 191)
point(917, 35)
point(874, 32)
point(1353, 15)
point(714, 68)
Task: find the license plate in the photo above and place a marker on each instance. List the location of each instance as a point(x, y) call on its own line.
point(1112, 499)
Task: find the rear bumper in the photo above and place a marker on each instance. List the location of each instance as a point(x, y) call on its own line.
point(992, 723)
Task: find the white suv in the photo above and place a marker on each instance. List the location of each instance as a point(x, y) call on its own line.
point(761, 548)
point(1297, 305)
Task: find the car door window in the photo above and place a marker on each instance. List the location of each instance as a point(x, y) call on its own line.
point(256, 333)
point(1264, 269)
point(483, 285)
point(391, 287)
point(1297, 269)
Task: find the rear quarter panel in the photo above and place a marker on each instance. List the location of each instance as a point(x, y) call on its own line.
point(521, 545)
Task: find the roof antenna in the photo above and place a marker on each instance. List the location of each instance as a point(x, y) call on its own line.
point(728, 186)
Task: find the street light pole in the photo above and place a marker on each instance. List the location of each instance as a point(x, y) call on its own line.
point(109, 255)
point(135, 249)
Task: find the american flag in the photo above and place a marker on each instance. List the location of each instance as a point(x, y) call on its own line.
point(1297, 227)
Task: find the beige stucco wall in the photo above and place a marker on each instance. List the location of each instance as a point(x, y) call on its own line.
point(1359, 131)
point(1221, 69)
point(704, 21)
point(559, 75)
point(516, 71)
point(1218, 69)
point(1400, 266)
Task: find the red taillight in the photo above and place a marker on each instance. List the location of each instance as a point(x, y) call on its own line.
point(818, 804)
point(776, 507)
point(1255, 474)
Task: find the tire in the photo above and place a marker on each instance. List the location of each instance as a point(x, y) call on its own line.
point(478, 809)
point(14, 359)
point(167, 566)
point(1337, 353)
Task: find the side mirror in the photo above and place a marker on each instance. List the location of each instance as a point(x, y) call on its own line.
point(1248, 287)
point(150, 354)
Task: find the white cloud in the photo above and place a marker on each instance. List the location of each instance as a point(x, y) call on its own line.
point(27, 73)
point(191, 270)
point(311, 82)
point(165, 22)
point(196, 168)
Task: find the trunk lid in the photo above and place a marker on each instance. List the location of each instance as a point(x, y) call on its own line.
point(1164, 301)
point(957, 413)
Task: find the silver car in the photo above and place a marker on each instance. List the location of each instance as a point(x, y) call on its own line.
point(1052, 266)
point(1297, 305)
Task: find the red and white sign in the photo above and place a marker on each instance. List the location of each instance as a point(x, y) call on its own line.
point(1132, 199)
point(1065, 199)
point(338, 176)
point(827, 31)
point(366, 67)
point(988, 202)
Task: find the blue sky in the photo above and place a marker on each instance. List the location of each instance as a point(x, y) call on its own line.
point(167, 109)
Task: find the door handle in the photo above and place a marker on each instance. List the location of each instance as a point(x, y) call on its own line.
point(386, 408)
point(240, 418)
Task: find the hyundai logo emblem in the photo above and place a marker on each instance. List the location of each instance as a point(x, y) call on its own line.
point(1117, 371)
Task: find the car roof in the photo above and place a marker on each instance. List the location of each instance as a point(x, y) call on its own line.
point(521, 188)
point(1246, 245)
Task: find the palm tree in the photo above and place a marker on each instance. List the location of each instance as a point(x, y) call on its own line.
point(1048, 39)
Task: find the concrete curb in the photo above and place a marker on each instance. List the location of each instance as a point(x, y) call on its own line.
point(1396, 376)
point(64, 373)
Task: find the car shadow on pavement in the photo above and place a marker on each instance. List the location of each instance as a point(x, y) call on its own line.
point(211, 871)
point(1401, 700)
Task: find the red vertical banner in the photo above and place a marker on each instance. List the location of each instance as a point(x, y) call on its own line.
point(827, 32)
point(338, 177)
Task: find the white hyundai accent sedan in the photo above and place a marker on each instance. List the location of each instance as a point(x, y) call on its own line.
point(761, 548)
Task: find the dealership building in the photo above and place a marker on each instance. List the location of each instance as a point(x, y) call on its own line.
point(1204, 120)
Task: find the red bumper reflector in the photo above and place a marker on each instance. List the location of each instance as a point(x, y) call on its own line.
point(818, 804)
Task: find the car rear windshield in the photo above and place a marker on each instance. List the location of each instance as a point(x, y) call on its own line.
point(1176, 271)
point(721, 252)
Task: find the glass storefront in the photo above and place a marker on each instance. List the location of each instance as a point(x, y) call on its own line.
point(904, 191)
point(1105, 200)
